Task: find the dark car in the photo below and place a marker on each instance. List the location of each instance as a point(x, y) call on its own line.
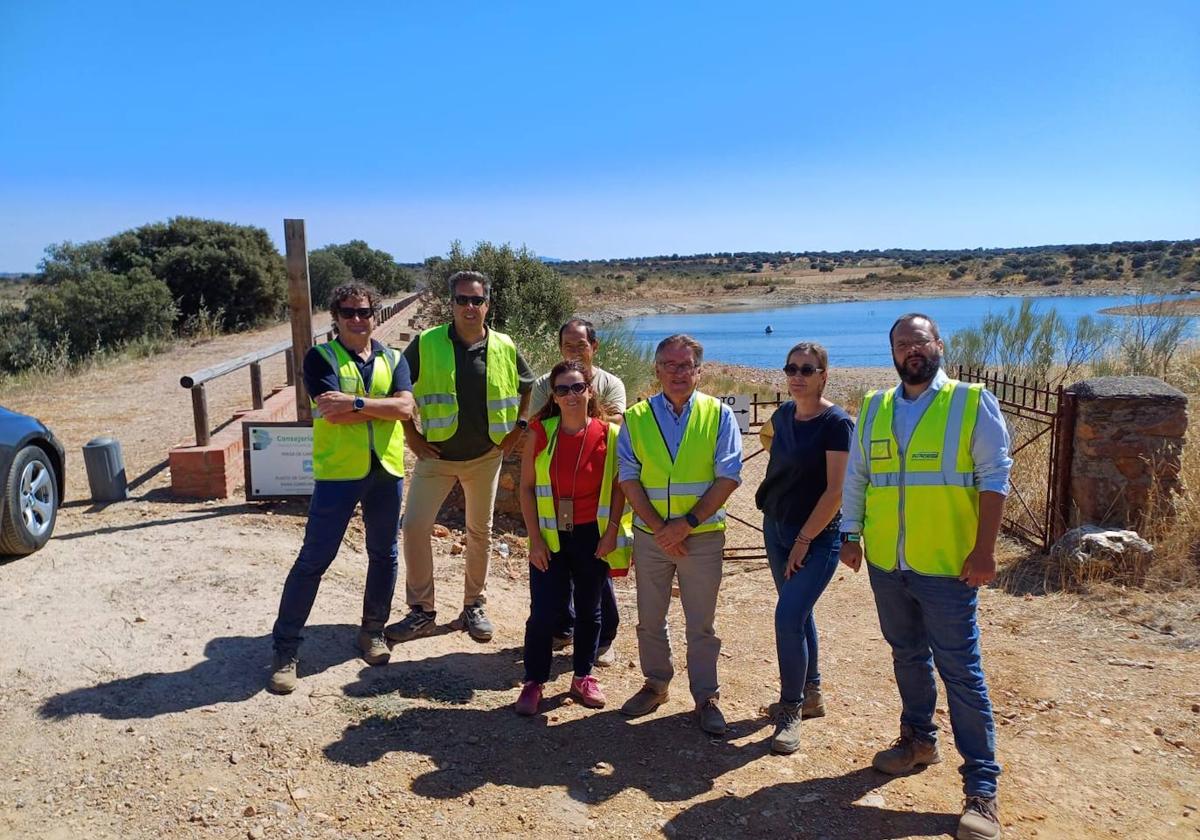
point(33, 472)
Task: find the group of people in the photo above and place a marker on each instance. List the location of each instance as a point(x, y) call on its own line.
point(916, 487)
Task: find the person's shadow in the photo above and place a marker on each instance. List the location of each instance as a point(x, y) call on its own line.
point(234, 668)
point(825, 807)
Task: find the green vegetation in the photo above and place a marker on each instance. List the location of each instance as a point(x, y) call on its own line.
point(333, 265)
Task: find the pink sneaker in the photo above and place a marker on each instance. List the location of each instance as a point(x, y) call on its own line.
point(530, 699)
point(587, 691)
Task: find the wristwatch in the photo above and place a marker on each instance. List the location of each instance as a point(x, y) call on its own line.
point(691, 519)
point(522, 423)
point(851, 536)
point(359, 403)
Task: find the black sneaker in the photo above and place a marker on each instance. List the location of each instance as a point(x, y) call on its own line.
point(416, 624)
point(476, 624)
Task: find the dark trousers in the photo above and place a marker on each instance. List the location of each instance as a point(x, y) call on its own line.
point(610, 619)
point(573, 566)
point(329, 513)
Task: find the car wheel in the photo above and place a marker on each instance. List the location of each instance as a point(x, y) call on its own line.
point(30, 503)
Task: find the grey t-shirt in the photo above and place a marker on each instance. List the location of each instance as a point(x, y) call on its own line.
point(610, 391)
point(471, 439)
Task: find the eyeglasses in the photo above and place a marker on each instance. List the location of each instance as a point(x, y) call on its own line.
point(573, 388)
point(905, 346)
point(473, 300)
point(681, 367)
point(351, 312)
point(804, 369)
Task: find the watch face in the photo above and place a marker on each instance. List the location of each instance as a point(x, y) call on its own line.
point(359, 404)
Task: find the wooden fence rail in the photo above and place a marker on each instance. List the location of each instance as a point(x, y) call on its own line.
point(196, 379)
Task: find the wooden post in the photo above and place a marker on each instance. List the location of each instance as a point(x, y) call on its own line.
point(200, 414)
point(256, 388)
point(289, 363)
point(299, 306)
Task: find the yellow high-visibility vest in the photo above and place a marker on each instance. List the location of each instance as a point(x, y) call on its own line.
point(675, 486)
point(618, 560)
point(343, 452)
point(435, 390)
point(925, 495)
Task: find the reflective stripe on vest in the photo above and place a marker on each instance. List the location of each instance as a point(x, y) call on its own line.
point(342, 452)
point(618, 560)
point(925, 494)
point(435, 391)
point(675, 486)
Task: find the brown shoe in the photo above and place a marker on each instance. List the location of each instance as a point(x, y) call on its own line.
point(710, 717)
point(374, 647)
point(906, 753)
point(283, 674)
point(980, 819)
point(814, 702)
point(647, 699)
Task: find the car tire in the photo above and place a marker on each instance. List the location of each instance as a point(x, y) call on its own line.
point(30, 503)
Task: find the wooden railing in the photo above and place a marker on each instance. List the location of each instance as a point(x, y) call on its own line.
point(196, 380)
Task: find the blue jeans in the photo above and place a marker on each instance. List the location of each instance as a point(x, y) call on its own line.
point(329, 513)
point(931, 620)
point(574, 566)
point(795, 629)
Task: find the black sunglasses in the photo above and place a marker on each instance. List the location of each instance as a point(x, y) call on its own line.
point(474, 300)
point(573, 388)
point(349, 312)
point(804, 369)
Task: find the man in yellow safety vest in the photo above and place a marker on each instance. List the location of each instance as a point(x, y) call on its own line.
point(923, 501)
point(679, 457)
point(360, 392)
point(471, 388)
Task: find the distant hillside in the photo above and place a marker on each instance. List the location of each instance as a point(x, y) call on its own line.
point(1049, 265)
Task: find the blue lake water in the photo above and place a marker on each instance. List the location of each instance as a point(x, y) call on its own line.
point(854, 333)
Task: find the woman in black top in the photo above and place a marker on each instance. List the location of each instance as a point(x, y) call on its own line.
point(800, 497)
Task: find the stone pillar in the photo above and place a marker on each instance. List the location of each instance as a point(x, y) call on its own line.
point(1128, 445)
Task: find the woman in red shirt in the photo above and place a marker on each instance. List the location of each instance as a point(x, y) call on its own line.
point(568, 486)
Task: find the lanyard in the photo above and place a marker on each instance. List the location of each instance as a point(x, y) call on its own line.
point(578, 459)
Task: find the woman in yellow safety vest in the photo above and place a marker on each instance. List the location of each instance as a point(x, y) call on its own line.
point(578, 528)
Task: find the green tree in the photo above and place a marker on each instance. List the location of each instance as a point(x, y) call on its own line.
point(207, 265)
point(369, 265)
point(102, 310)
point(325, 273)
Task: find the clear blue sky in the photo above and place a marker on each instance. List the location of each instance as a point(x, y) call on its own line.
point(603, 130)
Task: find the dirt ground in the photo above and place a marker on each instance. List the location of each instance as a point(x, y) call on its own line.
point(136, 650)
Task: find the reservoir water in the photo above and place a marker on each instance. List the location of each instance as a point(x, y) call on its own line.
point(854, 333)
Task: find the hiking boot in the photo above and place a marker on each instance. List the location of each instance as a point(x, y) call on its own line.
point(530, 699)
point(587, 691)
point(562, 642)
point(477, 625)
point(787, 729)
point(416, 624)
point(980, 819)
point(374, 647)
point(711, 719)
point(647, 699)
point(283, 673)
point(814, 702)
point(906, 753)
point(606, 656)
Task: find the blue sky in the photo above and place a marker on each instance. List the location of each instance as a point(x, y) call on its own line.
point(603, 130)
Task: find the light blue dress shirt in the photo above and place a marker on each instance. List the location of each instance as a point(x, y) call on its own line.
point(989, 450)
point(728, 462)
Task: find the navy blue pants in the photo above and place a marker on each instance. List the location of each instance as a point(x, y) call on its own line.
point(931, 621)
point(574, 565)
point(329, 513)
point(610, 618)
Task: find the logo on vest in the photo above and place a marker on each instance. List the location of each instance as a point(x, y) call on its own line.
point(925, 456)
point(881, 450)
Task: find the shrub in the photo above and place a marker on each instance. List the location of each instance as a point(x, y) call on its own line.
point(326, 272)
point(100, 310)
point(368, 265)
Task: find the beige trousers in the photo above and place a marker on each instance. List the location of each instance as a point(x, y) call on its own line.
point(428, 486)
point(699, 581)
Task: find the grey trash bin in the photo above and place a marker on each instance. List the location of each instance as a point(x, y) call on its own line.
point(105, 469)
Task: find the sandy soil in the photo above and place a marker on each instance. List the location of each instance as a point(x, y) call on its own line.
point(136, 648)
